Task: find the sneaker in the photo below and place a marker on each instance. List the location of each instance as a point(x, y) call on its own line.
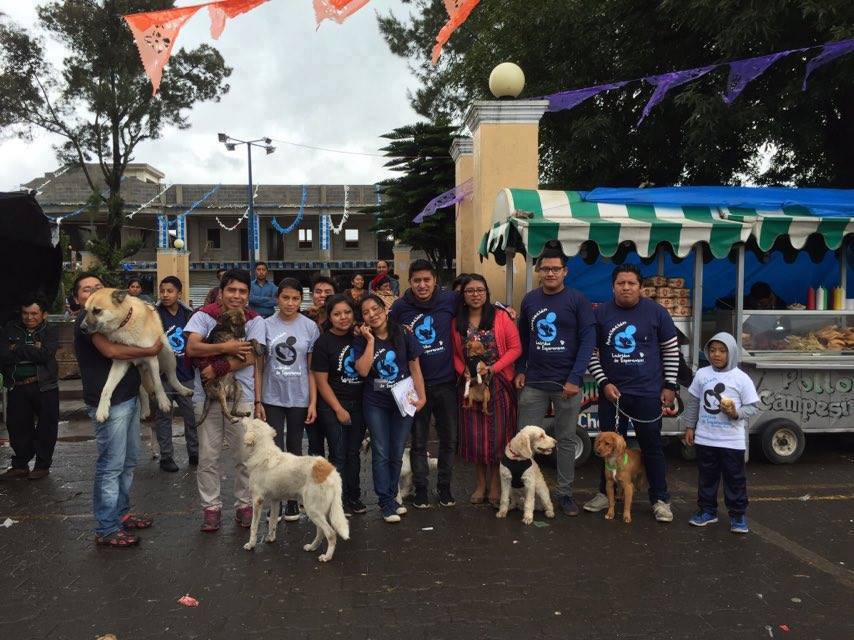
point(168, 464)
point(243, 516)
point(392, 518)
point(597, 503)
point(702, 518)
point(193, 460)
point(291, 511)
point(738, 524)
point(357, 506)
point(13, 473)
point(568, 505)
point(38, 474)
point(662, 512)
point(401, 510)
point(420, 500)
point(446, 498)
point(212, 520)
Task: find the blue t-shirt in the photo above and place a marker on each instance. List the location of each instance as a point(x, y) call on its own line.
point(430, 321)
point(389, 367)
point(629, 343)
point(173, 327)
point(558, 335)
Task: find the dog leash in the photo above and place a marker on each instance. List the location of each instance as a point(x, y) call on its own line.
point(632, 418)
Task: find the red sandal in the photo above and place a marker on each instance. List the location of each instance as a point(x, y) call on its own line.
point(131, 522)
point(119, 539)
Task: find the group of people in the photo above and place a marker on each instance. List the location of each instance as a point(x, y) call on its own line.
point(332, 370)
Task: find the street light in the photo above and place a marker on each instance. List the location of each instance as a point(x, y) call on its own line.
point(231, 145)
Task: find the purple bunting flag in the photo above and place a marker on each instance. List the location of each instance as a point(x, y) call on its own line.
point(830, 51)
point(666, 81)
point(743, 72)
point(573, 98)
point(450, 197)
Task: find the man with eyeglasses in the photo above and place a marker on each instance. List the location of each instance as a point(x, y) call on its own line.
point(558, 334)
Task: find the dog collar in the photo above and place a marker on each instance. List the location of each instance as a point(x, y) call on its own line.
point(127, 318)
point(615, 467)
point(514, 454)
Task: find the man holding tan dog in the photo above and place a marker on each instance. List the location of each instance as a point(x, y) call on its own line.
point(235, 287)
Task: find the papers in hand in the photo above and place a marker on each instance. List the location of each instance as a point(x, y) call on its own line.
point(404, 395)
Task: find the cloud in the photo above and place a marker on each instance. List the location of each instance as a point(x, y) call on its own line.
point(337, 86)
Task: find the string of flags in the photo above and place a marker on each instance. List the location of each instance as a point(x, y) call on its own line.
point(337, 230)
point(741, 73)
point(155, 32)
point(293, 225)
point(241, 218)
point(446, 199)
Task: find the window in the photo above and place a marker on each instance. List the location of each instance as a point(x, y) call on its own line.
point(213, 239)
point(351, 238)
point(305, 238)
point(275, 245)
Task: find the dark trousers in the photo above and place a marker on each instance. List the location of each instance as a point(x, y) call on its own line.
point(290, 420)
point(712, 463)
point(344, 441)
point(32, 421)
point(443, 404)
point(647, 433)
point(163, 423)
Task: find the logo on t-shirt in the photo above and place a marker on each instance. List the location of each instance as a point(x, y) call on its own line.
point(712, 398)
point(347, 366)
point(385, 363)
point(546, 329)
point(424, 328)
point(624, 342)
point(176, 339)
point(285, 352)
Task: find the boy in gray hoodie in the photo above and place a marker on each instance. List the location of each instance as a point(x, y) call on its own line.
point(720, 400)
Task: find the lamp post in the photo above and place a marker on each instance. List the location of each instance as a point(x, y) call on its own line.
point(231, 145)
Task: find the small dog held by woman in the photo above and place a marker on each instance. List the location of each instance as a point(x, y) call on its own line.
point(275, 476)
point(522, 482)
point(623, 466)
point(478, 377)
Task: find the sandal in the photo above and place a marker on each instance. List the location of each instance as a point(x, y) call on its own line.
point(131, 522)
point(120, 539)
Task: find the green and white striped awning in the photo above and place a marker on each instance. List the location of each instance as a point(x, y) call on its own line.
point(795, 222)
point(525, 219)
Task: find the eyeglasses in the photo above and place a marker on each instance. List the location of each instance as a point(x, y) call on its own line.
point(551, 269)
point(475, 292)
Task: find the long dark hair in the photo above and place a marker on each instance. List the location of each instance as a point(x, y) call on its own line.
point(395, 331)
point(487, 314)
point(330, 303)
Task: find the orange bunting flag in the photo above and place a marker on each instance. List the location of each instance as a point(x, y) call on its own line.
point(154, 33)
point(338, 10)
point(458, 12)
point(221, 11)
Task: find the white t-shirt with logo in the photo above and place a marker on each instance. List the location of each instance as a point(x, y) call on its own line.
point(286, 369)
point(714, 427)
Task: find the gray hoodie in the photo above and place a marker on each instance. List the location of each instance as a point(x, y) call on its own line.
point(692, 405)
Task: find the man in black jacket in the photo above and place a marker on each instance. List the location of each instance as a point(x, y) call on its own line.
point(28, 355)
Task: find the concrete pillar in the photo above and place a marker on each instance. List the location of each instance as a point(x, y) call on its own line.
point(467, 242)
point(172, 262)
point(505, 136)
point(88, 261)
point(402, 259)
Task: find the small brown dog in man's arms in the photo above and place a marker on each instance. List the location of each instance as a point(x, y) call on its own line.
point(231, 325)
point(478, 377)
point(623, 466)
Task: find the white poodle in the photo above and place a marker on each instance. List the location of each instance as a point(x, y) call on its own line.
point(522, 482)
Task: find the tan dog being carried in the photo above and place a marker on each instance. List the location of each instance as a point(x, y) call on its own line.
point(478, 377)
point(125, 319)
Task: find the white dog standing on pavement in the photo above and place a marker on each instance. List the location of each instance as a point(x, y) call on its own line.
point(522, 482)
point(275, 476)
point(125, 319)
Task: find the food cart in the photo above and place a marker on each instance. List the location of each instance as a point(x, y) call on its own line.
point(803, 375)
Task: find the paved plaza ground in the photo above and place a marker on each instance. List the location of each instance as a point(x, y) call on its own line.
point(441, 573)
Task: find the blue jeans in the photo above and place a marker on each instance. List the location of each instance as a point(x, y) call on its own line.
point(118, 448)
point(647, 433)
point(345, 442)
point(388, 440)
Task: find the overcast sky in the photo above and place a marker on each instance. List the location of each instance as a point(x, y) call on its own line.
point(337, 87)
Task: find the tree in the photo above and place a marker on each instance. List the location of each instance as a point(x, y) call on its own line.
point(691, 137)
point(421, 153)
point(100, 101)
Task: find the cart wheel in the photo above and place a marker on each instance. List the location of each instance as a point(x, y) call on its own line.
point(583, 446)
point(783, 441)
point(689, 454)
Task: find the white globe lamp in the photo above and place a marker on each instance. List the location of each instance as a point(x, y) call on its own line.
point(178, 244)
point(506, 80)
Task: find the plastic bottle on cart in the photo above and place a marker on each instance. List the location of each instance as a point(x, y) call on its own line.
point(821, 299)
point(810, 299)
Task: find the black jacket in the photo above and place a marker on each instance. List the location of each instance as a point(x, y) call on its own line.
point(13, 349)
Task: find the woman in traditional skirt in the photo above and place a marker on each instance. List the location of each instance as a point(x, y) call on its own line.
point(482, 437)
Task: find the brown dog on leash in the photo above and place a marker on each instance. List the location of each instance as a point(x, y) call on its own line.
point(622, 465)
point(479, 377)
